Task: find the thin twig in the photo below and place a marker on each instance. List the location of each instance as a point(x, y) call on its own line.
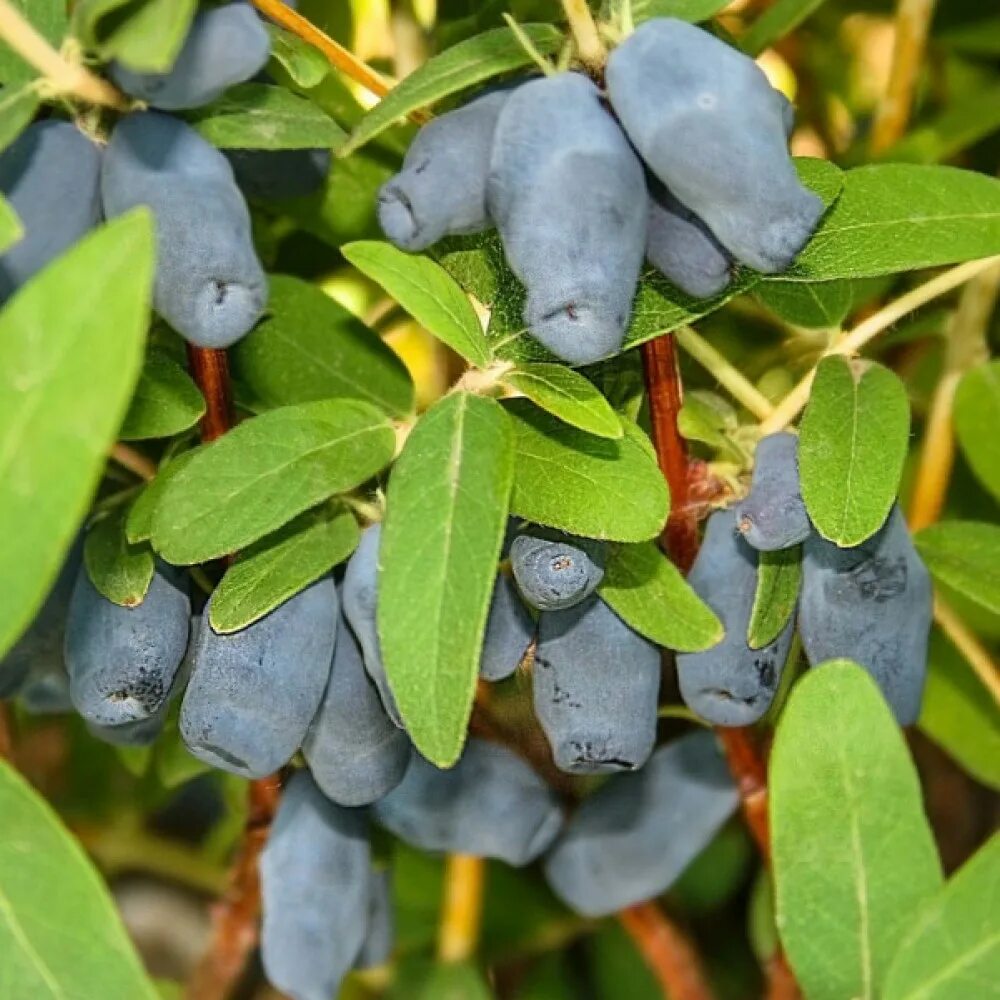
point(725, 373)
point(913, 19)
point(462, 907)
point(792, 404)
point(64, 77)
point(339, 57)
point(128, 458)
point(668, 952)
point(6, 732)
point(968, 644)
point(965, 347)
point(589, 46)
point(210, 370)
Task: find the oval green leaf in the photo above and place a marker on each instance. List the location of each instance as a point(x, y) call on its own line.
point(965, 556)
point(277, 567)
point(813, 304)
point(265, 472)
point(121, 571)
point(684, 10)
point(427, 292)
point(777, 21)
point(778, 577)
point(583, 484)
point(463, 65)
point(647, 591)
point(139, 524)
point(977, 416)
point(446, 512)
point(165, 402)
point(567, 395)
point(66, 942)
point(310, 347)
point(260, 116)
point(953, 949)
point(145, 36)
point(17, 107)
point(849, 872)
point(85, 313)
point(852, 444)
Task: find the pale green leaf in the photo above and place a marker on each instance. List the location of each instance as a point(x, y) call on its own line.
point(808, 303)
point(977, 417)
point(280, 565)
point(166, 400)
point(446, 511)
point(145, 35)
point(60, 933)
point(900, 217)
point(305, 65)
point(260, 116)
point(48, 17)
point(965, 556)
point(683, 10)
point(70, 350)
point(310, 347)
point(139, 524)
point(567, 395)
point(17, 107)
point(121, 571)
point(266, 471)
point(427, 292)
point(11, 229)
point(959, 714)
point(455, 981)
point(778, 577)
point(952, 951)
point(782, 17)
point(648, 592)
point(853, 853)
point(586, 485)
point(463, 65)
point(853, 441)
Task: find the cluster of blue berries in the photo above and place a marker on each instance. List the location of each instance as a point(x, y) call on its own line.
point(683, 160)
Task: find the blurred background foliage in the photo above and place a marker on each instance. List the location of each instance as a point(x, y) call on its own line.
point(162, 829)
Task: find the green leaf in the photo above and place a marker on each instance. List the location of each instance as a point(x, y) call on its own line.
point(11, 229)
point(977, 416)
point(959, 714)
point(962, 124)
point(166, 401)
point(853, 441)
point(683, 10)
point(70, 350)
point(808, 303)
point(648, 592)
point(463, 65)
point(259, 116)
point(778, 578)
point(266, 471)
point(567, 395)
point(49, 19)
point(455, 981)
point(277, 567)
point(953, 949)
point(446, 511)
point(306, 65)
point(68, 942)
point(17, 107)
point(782, 17)
point(139, 524)
point(310, 347)
point(849, 872)
point(586, 485)
point(121, 571)
point(145, 35)
point(965, 556)
point(427, 292)
point(901, 217)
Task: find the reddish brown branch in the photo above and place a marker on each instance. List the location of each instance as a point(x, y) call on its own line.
point(6, 732)
point(668, 952)
point(680, 539)
point(210, 370)
point(234, 922)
